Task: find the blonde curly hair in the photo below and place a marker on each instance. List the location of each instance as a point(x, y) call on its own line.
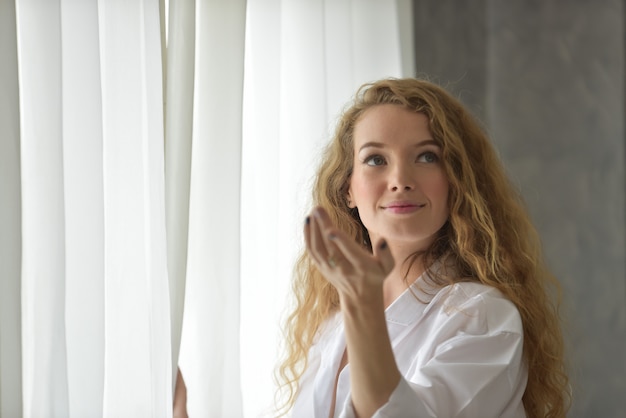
point(488, 238)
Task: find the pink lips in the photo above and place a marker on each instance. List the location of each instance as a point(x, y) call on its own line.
point(402, 207)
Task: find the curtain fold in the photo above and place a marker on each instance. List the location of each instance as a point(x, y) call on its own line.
point(137, 353)
point(10, 219)
point(45, 390)
point(180, 60)
point(210, 338)
point(81, 120)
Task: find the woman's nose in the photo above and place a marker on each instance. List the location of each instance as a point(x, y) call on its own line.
point(401, 179)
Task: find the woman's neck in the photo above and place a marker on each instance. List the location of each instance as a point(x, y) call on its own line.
point(407, 269)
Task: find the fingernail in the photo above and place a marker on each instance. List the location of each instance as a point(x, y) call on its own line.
point(307, 220)
point(383, 245)
point(332, 236)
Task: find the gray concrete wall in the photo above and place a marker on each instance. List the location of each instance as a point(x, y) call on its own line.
point(547, 78)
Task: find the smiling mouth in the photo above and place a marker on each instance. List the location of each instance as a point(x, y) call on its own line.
point(408, 205)
point(403, 207)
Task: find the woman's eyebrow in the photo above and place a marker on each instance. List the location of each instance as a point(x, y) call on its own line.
point(373, 144)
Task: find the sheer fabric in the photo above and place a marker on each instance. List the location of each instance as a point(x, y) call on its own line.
point(95, 335)
point(141, 182)
point(210, 349)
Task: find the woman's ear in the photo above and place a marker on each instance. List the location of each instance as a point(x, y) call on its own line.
point(349, 200)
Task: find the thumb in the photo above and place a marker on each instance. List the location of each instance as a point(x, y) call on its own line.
point(384, 256)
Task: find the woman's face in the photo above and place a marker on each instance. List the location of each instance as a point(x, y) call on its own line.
point(398, 181)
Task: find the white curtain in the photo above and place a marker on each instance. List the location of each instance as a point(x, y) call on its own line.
point(85, 152)
point(137, 186)
point(204, 124)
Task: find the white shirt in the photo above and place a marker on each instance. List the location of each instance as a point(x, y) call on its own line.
point(460, 355)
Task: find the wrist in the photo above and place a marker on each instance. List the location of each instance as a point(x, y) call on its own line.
point(366, 300)
point(364, 308)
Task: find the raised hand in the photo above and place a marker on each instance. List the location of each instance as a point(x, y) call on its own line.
point(358, 277)
point(352, 269)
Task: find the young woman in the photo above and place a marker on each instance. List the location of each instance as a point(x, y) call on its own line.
point(422, 290)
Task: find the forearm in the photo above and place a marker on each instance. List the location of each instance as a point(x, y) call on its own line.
point(373, 371)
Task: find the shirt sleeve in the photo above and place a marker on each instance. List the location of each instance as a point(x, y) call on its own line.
point(403, 403)
point(475, 367)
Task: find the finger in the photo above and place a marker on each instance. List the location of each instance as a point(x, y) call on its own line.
point(323, 227)
point(323, 219)
point(327, 229)
point(383, 254)
point(307, 233)
point(338, 241)
point(352, 252)
point(316, 243)
point(310, 235)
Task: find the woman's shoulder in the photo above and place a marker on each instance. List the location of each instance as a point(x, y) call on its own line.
point(469, 292)
point(479, 302)
point(460, 291)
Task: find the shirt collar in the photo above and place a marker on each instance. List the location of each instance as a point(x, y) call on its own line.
point(412, 303)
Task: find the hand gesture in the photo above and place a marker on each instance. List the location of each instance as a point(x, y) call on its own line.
point(352, 269)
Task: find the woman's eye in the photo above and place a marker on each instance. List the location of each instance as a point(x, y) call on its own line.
point(428, 157)
point(375, 160)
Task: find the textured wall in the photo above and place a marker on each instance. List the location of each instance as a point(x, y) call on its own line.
point(547, 77)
